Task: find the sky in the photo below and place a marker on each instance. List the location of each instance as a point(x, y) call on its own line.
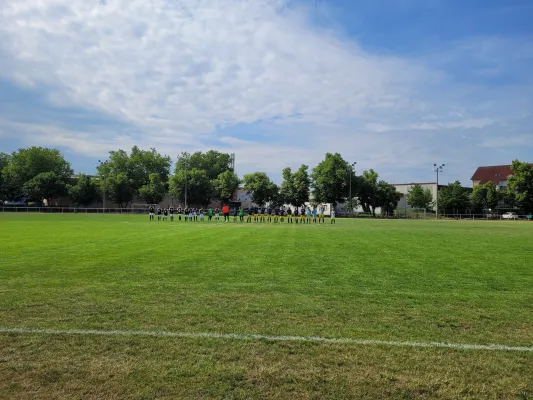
point(394, 85)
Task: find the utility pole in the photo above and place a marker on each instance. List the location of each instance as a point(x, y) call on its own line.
point(437, 169)
point(352, 165)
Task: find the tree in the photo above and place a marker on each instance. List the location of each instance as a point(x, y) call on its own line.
point(331, 179)
point(26, 164)
point(119, 189)
point(154, 191)
point(286, 189)
point(46, 185)
point(84, 191)
point(387, 197)
point(199, 187)
point(213, 162)
point(520, 185)
point(485, 197)
point(4, 162)
point(225, 185)
point(453, 198)
point(260, 188)
point(294, 189)
point(136, 167)
point(420, 198)
point(367, 191)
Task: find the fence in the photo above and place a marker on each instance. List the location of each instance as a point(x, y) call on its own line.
point(428, 215)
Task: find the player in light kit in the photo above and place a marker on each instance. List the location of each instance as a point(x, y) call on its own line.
point(217, 214)
point(201, 215)
point(332, 216)
point(314, 214)
point(151, 212)
point(321, 214)
point(308, 215)
point(289, 215)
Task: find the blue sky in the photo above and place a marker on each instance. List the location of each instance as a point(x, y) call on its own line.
point(394, 85)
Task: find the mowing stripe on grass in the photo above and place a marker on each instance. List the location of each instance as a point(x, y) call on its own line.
point(237, 336)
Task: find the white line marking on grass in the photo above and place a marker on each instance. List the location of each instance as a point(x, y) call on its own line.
point(237, 336)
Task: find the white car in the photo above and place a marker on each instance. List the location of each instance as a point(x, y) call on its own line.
point(510, 215)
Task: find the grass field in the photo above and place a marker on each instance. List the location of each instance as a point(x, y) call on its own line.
point(458, 282)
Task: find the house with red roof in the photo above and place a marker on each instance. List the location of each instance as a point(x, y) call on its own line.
point(497, 174)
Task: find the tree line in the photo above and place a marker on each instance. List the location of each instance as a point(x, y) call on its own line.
point(34, 174)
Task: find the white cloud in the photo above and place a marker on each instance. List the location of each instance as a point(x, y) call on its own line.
point(178, 71)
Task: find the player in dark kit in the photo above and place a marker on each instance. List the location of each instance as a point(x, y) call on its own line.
point(289, 215)
point(276, 215)
point(179, 211)
point(151, 212)
point(262, 214)
point(302, 214)
point(296, 215)
point(250, 211)
point(217, 214)
point(281, 215)
point(158, 214)
point(186, 214)
point(171, 212)
point(269, 213)
point(165, 214)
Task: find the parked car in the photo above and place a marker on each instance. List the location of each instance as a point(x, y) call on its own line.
point(510, 215)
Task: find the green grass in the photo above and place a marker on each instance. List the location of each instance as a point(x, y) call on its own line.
point(450, 281)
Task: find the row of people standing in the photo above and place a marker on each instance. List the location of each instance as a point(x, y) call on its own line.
point(255, 214)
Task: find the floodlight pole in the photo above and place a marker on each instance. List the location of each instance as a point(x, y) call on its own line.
point(186, 173)
point(105, 182)
point(437, 169)
point(352, 165)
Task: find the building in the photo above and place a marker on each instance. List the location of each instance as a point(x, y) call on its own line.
point(497, 174)
point(405, 188)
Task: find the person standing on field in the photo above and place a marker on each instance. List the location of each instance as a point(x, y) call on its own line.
point(241, 214)
point(210, 214)
point(332, 216)
point(225, 211)
point(151, 212)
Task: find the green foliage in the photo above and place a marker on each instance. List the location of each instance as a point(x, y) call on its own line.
point(46, 185)
point(85, 191)
point(367, 191)
point(331, 179)
point(119, 189)
point(420, 198)
point(213, 163)
point(225, 185)
point(294, 189)
point(484, 197)
point(154, 191)
point(136, 167)
point(25, 164)
point(199, 187)
point(260, 188)
point(387, 197)
point(520, 185)
point(4, 162)
point(454, 198)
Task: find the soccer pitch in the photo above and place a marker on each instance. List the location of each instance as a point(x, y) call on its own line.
point(391, 291)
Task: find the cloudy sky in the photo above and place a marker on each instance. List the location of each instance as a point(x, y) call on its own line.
point(395, 85)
